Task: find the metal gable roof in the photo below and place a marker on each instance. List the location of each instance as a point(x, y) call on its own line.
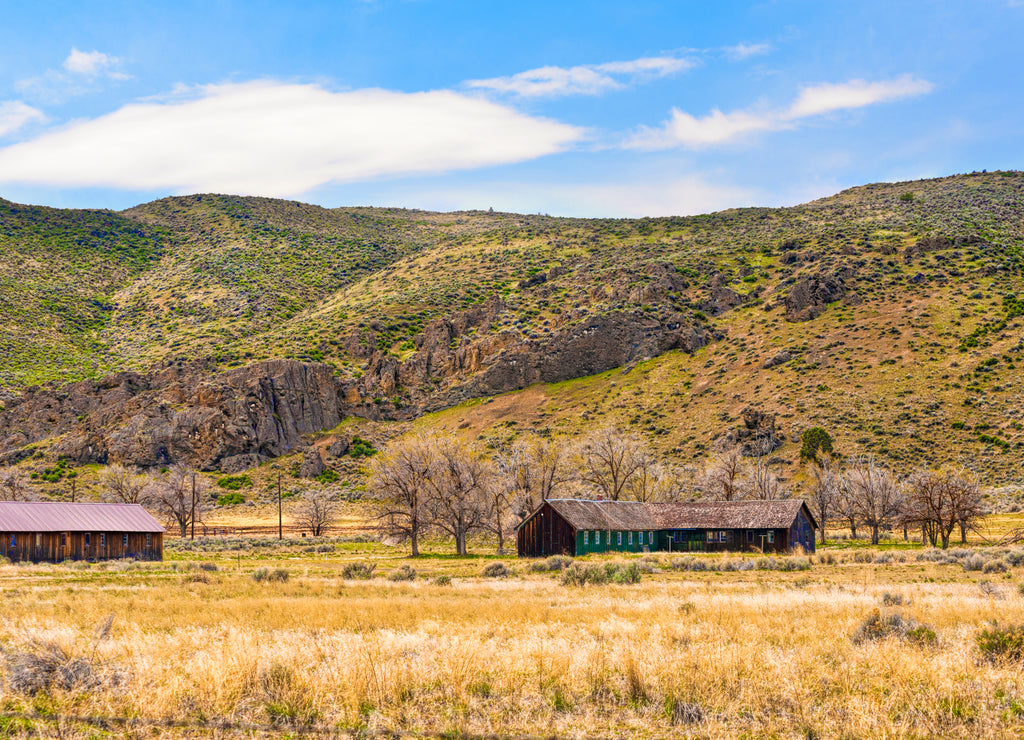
point(59, 516)
point(626, 515)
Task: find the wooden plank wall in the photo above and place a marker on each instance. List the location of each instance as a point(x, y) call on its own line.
point(57, 546)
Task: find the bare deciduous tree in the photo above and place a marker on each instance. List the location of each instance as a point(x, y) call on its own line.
point(535, 468)
point(317, 511)
point(608, 459)
point(398, 484)
point(761, 482)
point(14, 486)
point(124, 486)
point(655, 481)
point(939, 502)
point(181, 496)
point(722, 478)
point(874, 497)
point(826, 492)
point(457, 482)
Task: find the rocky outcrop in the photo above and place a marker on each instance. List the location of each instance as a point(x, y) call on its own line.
point(312, 464)
point(179, 414)
point(808, 298)
point(232, 420)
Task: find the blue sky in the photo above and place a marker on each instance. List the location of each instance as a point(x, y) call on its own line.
point(588, 108)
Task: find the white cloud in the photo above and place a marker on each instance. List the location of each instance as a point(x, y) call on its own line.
point(686, 130)
point(14, 114)
point(587, 79)
point(742, 51)
point(276, 139)
point(818, 99)
point(89, 63)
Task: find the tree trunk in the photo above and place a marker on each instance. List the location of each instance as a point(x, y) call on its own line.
point(874, 534)
point(414, 535)
point(501, 541)
point(963, 533)
point(945, 541)
point(853, 529)
point(183, 524)
point(906, 537)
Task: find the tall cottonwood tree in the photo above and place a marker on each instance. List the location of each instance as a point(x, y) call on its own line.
point(940, 501)
point(457, 482)
point(317, 511)
point(123, 486)
point(874, 497)
point(826, 492)
point(398, 484)
point(723, 477)
point(535, 469)
point(181, 496)
point(608, 459)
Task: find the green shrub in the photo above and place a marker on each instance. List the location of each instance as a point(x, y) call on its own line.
point(403, 573)
point(358, 571)
point(360, 447)
point(496, 570)
point(231, 499)
point(328, 476)
point(268, 575)
point(555, 562)
point(234, 482)
point(878, 626)
point(1001, 643)
point(581, 574)
point(442, 580)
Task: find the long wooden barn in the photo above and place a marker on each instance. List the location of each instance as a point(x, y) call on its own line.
point(52, 531)
point(575, 527)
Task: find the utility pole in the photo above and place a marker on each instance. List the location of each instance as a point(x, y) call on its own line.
point(280, 530)
point(74, 487)
point(193, 504)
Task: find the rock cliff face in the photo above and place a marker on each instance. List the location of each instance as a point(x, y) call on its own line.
point(236, 419)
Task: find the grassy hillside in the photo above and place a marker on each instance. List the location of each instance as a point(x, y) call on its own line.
point(919, 359)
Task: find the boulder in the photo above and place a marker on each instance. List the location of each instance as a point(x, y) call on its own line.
point(312, 464)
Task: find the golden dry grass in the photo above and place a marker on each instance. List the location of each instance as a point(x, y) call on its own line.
point(702, 654)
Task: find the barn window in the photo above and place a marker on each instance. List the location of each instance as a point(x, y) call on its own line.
point(771, 536)
point(608, 538)
point(620, 538)
point(750, 536)
point(721, 536)
point(12, 540)
point(631, 538)
point(39, 539)
point(88, 538)
point(641, 535)
point(63, 539)
point(711, 536)
point(103, 540)
point(149, 540)
point(586, 537)
point(650, 538)
point(124, 540)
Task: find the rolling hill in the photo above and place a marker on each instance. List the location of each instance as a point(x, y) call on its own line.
point(214, 328)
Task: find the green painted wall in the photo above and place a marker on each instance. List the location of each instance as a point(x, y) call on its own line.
point(593, 545)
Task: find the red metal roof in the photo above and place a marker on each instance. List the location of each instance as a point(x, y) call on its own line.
point(58, 516)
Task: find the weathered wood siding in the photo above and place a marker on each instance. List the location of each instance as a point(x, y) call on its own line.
point(545, 533)
point(57, 546)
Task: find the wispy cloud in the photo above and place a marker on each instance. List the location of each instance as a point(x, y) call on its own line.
point(742, 51)
point(277, 139)
point(81, 73)
point(14, 114)
point(686, 130)
point(93, 64)
point(586, 79)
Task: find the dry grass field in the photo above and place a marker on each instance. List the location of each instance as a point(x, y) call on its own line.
point(198, 646)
